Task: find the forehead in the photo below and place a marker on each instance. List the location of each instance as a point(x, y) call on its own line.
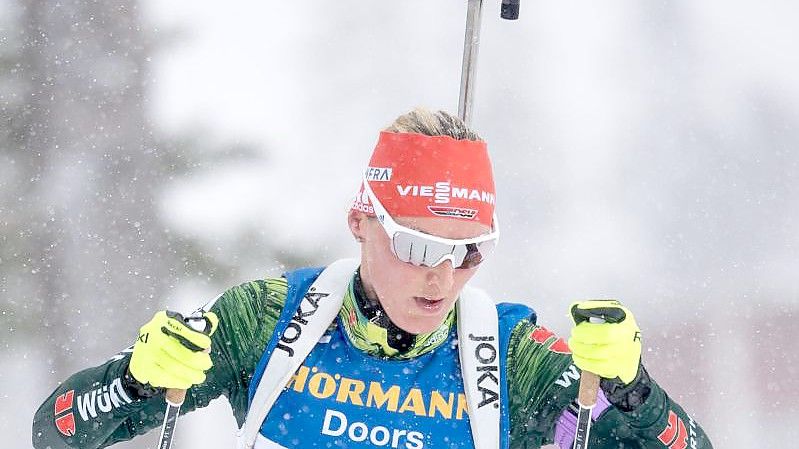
point(450, 228)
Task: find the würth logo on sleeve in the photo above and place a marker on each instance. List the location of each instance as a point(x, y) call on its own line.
point(90, 404)
point(488, 382)
point(65, 423)
point(307, 308)
point(102, 400)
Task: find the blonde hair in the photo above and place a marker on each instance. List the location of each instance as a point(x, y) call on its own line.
point(433, 123)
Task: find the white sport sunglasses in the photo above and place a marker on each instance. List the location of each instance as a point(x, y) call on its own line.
point(425, 250)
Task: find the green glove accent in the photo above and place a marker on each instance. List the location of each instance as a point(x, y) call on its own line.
point(611, 349)
point(170, 354)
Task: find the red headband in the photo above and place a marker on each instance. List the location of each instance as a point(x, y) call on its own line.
point(414, 175)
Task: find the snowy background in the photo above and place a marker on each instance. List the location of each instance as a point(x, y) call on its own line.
point(154, 153)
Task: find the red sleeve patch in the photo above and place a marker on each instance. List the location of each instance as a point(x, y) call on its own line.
point(64, 402)
point(543, 335)
point(674, 436)
point(65, 423)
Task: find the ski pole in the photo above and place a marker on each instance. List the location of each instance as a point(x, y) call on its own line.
point(471, 43)
point(176, 396)
point(589, 382)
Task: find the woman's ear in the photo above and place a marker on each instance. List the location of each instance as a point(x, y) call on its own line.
point(357, 221)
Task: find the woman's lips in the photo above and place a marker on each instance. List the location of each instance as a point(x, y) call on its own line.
point(432, 306)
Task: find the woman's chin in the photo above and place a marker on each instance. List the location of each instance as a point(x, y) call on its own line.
point(421, 323)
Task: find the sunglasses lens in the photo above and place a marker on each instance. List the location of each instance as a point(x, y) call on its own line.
point(417, 251)
point(423, 252)
point(477, 253)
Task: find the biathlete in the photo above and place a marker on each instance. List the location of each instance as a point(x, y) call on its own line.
point(391, 350)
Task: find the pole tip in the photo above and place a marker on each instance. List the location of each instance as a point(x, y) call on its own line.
point(510, 9)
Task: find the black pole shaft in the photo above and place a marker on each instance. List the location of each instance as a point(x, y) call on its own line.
point(168, 428)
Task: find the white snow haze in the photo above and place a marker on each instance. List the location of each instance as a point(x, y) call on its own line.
point(154, 153)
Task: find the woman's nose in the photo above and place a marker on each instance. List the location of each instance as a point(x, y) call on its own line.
point(441, 276)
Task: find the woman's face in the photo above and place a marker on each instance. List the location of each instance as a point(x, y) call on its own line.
point(417, 299)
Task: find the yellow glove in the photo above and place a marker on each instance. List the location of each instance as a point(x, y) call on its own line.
point(609, 349)
point(170, 354)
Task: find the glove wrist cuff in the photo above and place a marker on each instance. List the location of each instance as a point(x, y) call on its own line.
point(138, 389)
point(628, 397)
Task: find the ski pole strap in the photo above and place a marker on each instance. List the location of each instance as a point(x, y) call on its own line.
point(566, 426)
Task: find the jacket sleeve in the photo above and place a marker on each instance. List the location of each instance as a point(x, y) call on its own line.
point(657, 423)
point(96, 407)
point(543, 384)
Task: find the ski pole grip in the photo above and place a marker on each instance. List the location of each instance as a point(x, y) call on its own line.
point(589, 387)
point(589, 382)
point(175, 396)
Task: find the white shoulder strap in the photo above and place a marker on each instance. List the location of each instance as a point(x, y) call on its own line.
point(478, 344)
point(316, 311)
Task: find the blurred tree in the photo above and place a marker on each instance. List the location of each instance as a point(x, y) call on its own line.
point(83, 252)
point(93, 245)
